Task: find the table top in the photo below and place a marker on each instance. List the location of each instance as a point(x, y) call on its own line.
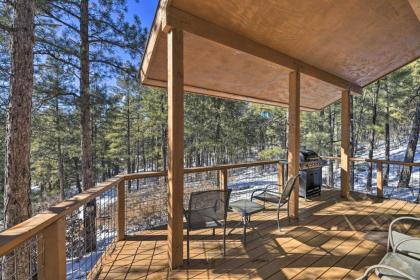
point(245, 207)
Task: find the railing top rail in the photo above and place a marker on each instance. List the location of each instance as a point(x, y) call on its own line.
point(231, 166)
point(140, 175)
point(395, 162)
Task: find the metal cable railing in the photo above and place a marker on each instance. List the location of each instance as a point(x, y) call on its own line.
point(390, 179)
point(25, 261)
point(90, 232)
point(243, 181)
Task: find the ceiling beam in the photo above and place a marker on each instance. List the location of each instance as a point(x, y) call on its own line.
point(152, 39)
point(173, 17)
point(224, 95)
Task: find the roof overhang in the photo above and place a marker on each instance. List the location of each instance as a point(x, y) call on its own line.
point(245, 50)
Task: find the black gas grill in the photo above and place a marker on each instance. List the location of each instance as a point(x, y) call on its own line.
point(310, 173)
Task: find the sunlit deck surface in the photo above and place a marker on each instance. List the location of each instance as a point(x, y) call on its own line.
point(333, 239)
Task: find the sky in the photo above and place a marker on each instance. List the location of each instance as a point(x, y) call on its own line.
point(145, 9)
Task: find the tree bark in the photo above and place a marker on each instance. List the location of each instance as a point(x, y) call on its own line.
point(387, 135)
point(89, 212)
point(129, 170)
point(331, 146)
point(17, 187)
point(163, 136)
point(410, 152)
point(352, 149)
point(372, 135)
point(60, 161)
point(77, 177)
point(320, 128)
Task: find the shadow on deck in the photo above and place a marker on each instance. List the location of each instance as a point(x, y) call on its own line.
point(333, 239)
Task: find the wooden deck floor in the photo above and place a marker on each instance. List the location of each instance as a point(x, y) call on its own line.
point(333, 239)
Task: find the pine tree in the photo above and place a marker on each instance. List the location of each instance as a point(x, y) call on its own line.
point(17, 204)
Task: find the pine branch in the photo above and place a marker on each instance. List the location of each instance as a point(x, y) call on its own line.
point(6, 28)
point(75, 29)
point(65, 10)
point(55, 57)
point(117, 43)
point(114, 65)
point(63, 49)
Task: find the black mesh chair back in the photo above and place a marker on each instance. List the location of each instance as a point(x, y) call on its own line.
point(288, 190)
point(207, 208)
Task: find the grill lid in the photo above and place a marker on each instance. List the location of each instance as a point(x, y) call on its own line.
point(308, 155)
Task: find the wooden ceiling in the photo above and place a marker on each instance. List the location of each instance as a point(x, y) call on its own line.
point(245, 49)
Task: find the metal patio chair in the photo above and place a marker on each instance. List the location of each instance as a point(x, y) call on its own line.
point(275, 197)
point(395, 266)
point(402, 261)
point(207, 209)
point(401, 242)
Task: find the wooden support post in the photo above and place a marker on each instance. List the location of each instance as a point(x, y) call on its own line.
point(294, 139)
point(121, 210)
point(223, 179)
point(379, 180)
point(280, 176)
point(54, 251)
point(176, 147)
point(345, 143)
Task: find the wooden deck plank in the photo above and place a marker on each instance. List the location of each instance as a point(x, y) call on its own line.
point(333, 239)
point(329, 260)
point(279, 273)
point(350, 260)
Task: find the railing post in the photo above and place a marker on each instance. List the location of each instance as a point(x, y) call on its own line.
point(379, 180)
point(294, 140)
point(121, 210)
point(345, 143)
point(53, 248)
point(280, 176)
point(223, 179)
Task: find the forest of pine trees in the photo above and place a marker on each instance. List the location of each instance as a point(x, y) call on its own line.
point(70, 66)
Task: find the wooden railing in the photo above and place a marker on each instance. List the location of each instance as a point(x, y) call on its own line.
point(50, 226)
point(379, 163)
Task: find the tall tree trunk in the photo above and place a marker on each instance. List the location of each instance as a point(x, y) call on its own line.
point(60, 161)
point(85, 118)
point(331, 145)
point(320, 128)
point(129, 170)
point(163, 132)
point(387, 135)
point(77, 177)
point(17, 186)
point(358, 125)
point(138, 160)
point(351, 142)
point(372, 135)
point(410, 152)
point(89, 212)
point(143, 149)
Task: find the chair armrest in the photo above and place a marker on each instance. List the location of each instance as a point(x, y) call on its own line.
point(264, 190)
point(186, 215)
point(261, 190)
point(373, 267)
point(390, 239)
point(404, 241)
